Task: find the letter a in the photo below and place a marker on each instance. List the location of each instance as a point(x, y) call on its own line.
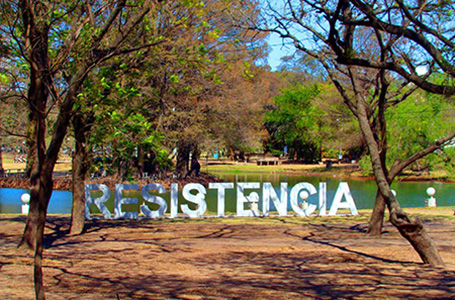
point(343, 190)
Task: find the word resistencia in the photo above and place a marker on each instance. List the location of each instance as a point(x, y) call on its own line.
point(246, 204)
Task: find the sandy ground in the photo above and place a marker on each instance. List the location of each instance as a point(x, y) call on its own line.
point(241, 258)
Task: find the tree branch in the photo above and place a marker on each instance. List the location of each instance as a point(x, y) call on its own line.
point(418, 38)
point(399, 166)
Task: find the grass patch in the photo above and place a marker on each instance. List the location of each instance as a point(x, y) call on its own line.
point(253, 168)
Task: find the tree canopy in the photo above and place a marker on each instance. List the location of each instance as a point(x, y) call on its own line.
point(140, 80)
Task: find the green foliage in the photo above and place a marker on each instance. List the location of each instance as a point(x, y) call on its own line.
point(293, 121)
point(414, 125)
point(3, 78)
point(418, 122)
point(331, 153)
point(365, 165)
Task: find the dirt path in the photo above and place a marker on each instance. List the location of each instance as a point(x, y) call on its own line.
point(277, 258)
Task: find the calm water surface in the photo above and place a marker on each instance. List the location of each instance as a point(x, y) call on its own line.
point(410, 194)
point(10, 201)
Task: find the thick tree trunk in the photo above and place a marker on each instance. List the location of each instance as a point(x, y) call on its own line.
point(43, 192)
point(183, 160)
point(195, 165)
point(28, 240)
point(377, 216)
point(37, 204)
point(80, 168)
point(413, 231)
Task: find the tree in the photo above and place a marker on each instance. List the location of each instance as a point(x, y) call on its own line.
point(293, 122)
point(80, 164)
point(236, 112)
point(410, 43)
point(167, 88)
point(61, 42)
point(213, 82)
point(302, 22)
point(419, 128)
point(337, 130)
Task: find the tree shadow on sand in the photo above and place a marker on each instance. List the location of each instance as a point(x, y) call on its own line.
point(144, 260)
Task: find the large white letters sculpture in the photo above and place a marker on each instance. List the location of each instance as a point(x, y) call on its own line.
point(247, 203)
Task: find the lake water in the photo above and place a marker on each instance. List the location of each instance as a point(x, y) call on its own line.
point(409, 194)
point(10, 201)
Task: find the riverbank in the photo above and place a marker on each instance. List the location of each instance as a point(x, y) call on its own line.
point(65, 183)
point(344, 170)
point(229, 258)
point(341, 170)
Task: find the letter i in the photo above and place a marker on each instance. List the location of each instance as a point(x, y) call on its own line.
point(322, 198)
point(174, 200)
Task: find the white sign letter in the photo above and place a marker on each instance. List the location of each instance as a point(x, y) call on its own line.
point(221, 187)
point(306, 211)
point(268, 192)
point(153, 199)
point(99, 202)
point(118, 213)
point(174, 200)
point(343, 190)
point(253, 199)
point(199, 199)
point(322, 198)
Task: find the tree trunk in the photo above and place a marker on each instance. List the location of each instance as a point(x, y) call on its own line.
point(80, 168)
point(37, 96)
point(37, 179)
point(377, 216)
point(43, 192)
point(376, 221)
point(413, 231)
point(195, 165)
point(183, 160)
point(29, 237)
point(28, 240)
point(2, 171)
point(31, 146)
point(79, 173)
point(320, 151)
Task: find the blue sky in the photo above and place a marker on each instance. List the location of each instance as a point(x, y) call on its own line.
point(278, 50)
